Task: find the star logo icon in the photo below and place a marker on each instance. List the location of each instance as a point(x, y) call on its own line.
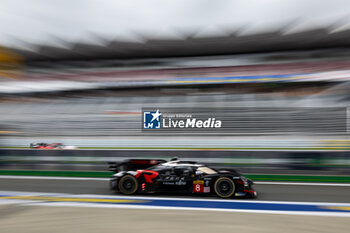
point(156, 115)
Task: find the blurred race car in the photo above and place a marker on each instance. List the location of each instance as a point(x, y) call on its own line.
point(52, 146)
point(137, 176)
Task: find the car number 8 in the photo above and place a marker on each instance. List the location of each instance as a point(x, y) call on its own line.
point(198, 187)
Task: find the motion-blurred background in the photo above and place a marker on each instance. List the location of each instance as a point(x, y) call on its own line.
point(79, 72)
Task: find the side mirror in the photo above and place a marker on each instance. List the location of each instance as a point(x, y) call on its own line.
point(198, 173)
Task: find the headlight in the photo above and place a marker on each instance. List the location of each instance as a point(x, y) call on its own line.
point(245, 180)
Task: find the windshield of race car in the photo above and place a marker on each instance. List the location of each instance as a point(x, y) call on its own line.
point(206, 170)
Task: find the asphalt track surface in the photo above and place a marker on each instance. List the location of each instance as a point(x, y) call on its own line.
point(36, 219)
point(58, 215)
point(266, 192)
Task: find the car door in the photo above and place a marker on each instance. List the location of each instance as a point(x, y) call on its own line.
point(177, 178)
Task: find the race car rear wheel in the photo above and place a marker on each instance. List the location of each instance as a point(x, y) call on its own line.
point(224, 187)
point(128, 185)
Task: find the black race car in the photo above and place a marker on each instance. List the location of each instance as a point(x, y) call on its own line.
point(138, 176)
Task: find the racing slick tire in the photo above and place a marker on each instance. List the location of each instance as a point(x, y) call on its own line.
point(224, 187)
point(128, 185)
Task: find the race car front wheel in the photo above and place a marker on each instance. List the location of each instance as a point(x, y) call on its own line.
point(128, 185)
point(224, 187)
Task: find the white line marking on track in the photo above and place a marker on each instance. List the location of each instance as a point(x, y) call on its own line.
point(309, 213)
point(302, 183)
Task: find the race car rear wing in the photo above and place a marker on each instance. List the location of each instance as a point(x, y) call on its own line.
point(134, 164)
